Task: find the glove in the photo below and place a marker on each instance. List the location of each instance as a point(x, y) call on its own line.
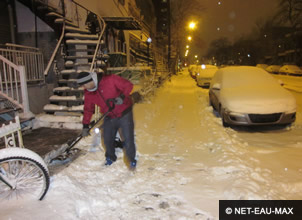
point(85, 132)
point(119, 100)
point(136, 97)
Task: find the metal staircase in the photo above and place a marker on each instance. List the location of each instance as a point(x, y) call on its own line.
point(82, 50)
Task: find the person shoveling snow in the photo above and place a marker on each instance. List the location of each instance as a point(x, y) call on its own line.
point(112, 94)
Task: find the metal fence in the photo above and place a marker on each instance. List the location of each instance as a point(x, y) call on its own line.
point(29, 57)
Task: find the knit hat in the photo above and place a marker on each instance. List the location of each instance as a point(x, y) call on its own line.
point(83, 78)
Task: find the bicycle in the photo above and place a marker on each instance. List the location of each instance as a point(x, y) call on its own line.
point(23, 173)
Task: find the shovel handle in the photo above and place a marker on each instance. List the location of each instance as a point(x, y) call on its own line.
point(78, 138)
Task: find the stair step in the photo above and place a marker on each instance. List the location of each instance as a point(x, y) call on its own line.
point(70, 113)
point(54, 14)
point(62, 89)
point(81, 42)
point(45, 7)
point(85, 57)
point(51, 108)
point(6, 111)
point(81, 50)
point(54, 121)
point(68, 90)
point(57, 15)
point(71, 64)
point(55, 98)
point(61, 21)
point(77, 30)
point(69, 72)
point(82, 36)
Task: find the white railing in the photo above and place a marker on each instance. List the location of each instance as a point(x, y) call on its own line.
point(29, 57)
point(13, 85)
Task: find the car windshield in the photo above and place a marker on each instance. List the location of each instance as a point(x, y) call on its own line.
point(245, 76)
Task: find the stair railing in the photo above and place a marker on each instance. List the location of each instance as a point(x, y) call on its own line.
point(30, 57)
point(12, 78)
point(54, 53)
point(102, 25)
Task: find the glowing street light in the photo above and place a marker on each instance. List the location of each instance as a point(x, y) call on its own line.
point(196, 56)
point(187, 46)
point(189, 38)
point(187, 51)
point(192, 25)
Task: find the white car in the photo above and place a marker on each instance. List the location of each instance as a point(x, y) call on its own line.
point(273, 69)
point(192, 70)
point(291, 70)
point(262, 65)
point(204, 74)
point(246, 95)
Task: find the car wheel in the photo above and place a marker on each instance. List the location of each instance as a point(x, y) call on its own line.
point(211, 104)
point(224, 123)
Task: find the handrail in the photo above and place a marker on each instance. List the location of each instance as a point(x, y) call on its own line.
point(12, 77)
point(21, 46)
point(102, 25)
point(99, 40)
point(55, 51)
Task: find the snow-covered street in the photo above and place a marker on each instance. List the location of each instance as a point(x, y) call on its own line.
point(187, 162)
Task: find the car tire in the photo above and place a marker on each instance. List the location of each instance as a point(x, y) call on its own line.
point(224, 123)
point(211, 104)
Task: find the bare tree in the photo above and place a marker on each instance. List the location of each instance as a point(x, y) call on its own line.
point(181, 12)
point(290, 11)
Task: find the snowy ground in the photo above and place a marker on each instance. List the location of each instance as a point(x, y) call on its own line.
point(186, 162)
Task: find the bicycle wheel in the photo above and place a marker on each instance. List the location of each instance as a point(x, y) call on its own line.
point(26, 173)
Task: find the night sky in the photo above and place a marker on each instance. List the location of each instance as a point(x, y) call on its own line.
point(232, 18)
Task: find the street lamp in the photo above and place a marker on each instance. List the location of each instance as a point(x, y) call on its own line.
point(189, 38)
point(192, 25)
point(187, 46)
point(149, 41)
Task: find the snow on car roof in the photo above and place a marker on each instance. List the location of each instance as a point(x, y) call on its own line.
point(245, 76)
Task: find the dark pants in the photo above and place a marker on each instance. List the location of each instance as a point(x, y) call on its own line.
point(125, 125)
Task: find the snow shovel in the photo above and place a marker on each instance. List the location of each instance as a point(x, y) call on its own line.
point(65, 152)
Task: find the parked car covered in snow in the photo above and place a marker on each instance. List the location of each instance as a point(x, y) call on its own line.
point(204, 74)
point(291, 70)
point(191, 70)
point(262, 65)
point(273, 69)
point(246, 95)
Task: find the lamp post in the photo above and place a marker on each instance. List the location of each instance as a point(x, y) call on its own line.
point(149, 40)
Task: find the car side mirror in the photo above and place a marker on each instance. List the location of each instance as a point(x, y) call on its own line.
point(216, 86)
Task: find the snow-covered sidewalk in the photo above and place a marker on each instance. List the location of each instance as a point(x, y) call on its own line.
point(187, 161)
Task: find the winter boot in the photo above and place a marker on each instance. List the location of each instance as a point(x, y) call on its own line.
point(108, 162)
point(132, 165)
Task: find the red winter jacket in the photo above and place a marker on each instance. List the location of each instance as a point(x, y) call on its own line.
point(110, 86)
